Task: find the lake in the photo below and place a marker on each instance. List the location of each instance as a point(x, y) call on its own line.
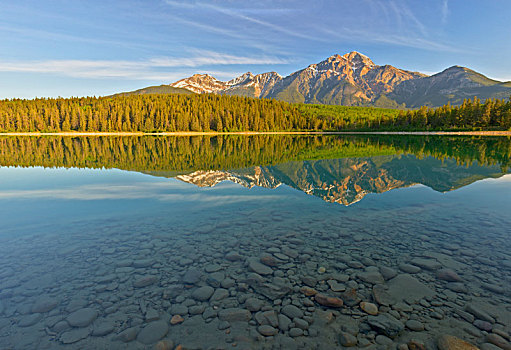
point(254, 242)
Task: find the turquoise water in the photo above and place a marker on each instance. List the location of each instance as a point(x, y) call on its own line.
point(141, 257)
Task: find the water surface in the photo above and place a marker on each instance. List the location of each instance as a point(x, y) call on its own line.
point(105, 240)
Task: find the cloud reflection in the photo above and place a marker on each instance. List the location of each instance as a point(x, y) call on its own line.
point(161, 191)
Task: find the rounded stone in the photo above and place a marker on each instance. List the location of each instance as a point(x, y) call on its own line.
point(449, 342)
point(292, 311)
point(153, 332)
point(82, 317)
point(267, 330)
point(295, 332)
point(203, 293)
point(44, 304)
point(347, 339)
point(369, 308)
point(414, 325)
point(74, 335)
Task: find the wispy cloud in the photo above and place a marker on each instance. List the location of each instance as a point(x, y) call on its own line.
point(162, 191)
point(154, 68)
point(445, 11)
point(243, 14)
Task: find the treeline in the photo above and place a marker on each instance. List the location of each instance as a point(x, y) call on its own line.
point(149, 113)
point(209, 112)
point(493, 114)
point(171, 156)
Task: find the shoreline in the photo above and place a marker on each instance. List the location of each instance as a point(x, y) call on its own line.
point(247, 133)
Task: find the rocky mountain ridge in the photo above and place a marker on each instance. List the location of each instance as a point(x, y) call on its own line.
point(353, 79)
point(347, 181)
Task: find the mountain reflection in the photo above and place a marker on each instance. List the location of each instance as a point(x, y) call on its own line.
point(334, 168)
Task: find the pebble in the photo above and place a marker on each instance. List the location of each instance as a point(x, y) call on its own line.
point(74, 335)
point(153, 332)
point(29, 320)
point(409, 268)
point(414, 325)
point(448, 275)
point(234, 314)
point(369, 308)
point(292, 311)
point(328, 301)
point(212, 268)
point(489, 346)
point(301, 323)
point(383, 340)
point(427, 264)
point(254, 304)
point(479, 313)
point(336, 286)
point(449, 342)
point(102, 328)
point(267, 330)
point(176, 319)
point(192, 276)
point(128, 334)
point(145, 281)
point(82, 317)
point(372, 277)
point(284, 322)
point(178, 309)
point(295, 332)
point(386, 324)
point(483, 325)
point(259, 268)
point(44, 304)
point(203, 293)
point(164, 345)
point(387, 272)
point(497, 340)
point(346, 339)
point(219, 294)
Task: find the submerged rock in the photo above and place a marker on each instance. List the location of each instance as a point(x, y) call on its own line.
point(203, 293)
point(153, 332)
point(479, 313)
point(405, 287)
point(44, 304)
point(82, 317)
point(192, 276)
point(427, 264)
point(74, 335)
point(386, 324)
point(369, 308)
point(259, 268)
point(449, 342)
point(328, 301)
point(346, 339)
point(234, 314)
point(448, 275)
point(145, 281)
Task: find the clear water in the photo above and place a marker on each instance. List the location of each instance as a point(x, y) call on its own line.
point(96, 258)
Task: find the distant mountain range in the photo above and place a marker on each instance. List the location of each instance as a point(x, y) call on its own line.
point(348, 180)
point(351, 80)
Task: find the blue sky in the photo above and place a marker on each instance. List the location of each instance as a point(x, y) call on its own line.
point(88, 47)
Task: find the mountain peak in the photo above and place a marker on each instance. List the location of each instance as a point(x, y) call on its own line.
point(355, 56)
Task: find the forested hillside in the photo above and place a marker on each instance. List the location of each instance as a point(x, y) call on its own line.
point(211, 112)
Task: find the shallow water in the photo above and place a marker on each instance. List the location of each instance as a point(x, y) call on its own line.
point(229, 239)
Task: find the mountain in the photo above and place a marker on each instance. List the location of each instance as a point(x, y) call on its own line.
point(247, 84)
point(161, 89)
point(348, 180)
point(352, 79)
point(452, 85)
